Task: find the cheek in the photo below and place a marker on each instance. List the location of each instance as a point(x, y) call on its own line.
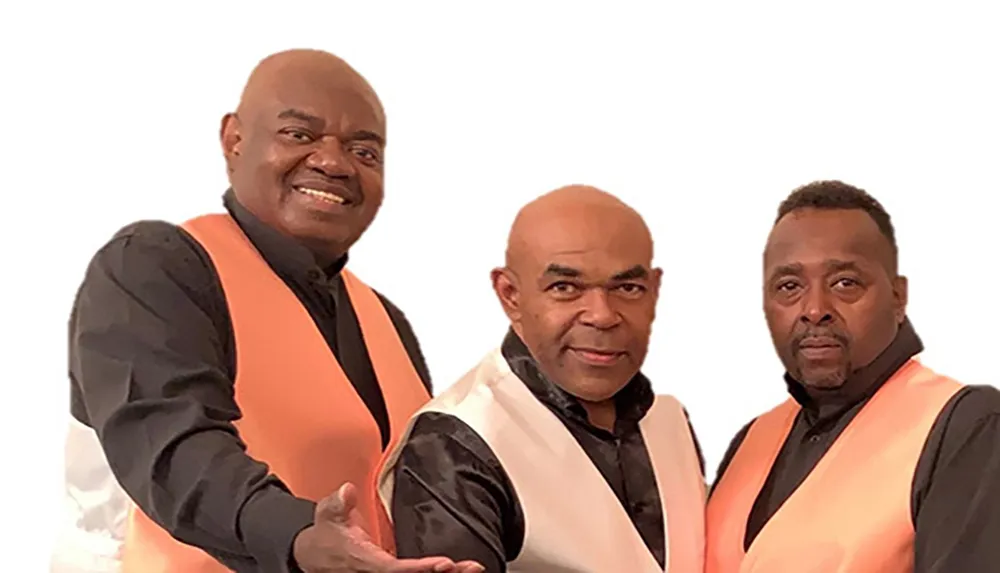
point(371, 186)
point(780, 323)
point(640, 320)
point(872, 325)
point(270, 162)
point(548, 324)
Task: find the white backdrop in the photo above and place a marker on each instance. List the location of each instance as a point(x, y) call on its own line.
point(702, 118)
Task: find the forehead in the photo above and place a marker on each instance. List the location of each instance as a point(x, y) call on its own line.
point(813, 236)
point(592, 244)
point(340, 101)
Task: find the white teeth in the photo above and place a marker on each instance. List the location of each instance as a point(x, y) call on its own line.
point(321, 195)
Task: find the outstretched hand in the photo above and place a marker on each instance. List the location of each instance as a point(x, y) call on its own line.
point(338, 543)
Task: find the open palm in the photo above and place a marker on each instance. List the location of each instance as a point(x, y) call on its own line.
point(339, 543)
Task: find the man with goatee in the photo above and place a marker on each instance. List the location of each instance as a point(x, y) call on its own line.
point(875, 462)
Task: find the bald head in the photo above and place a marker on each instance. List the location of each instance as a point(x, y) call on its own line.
point(277, 74)
point(305, 150)
point(570, 217)
point(580, 289)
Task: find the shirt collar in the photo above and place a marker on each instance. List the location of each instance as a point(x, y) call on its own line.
point(285, 255)
point(631, 403)
point(863, 383)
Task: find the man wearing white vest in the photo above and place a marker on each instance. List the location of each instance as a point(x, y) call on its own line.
point(553, 454)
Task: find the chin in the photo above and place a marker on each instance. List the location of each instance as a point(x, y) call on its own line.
point(823, 379)
point(595, 391)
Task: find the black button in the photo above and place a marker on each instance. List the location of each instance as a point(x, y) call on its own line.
point(814, 438)
point(315, 275)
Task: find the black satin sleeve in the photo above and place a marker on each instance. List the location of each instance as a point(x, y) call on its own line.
point(452, 497)
point(956, 493)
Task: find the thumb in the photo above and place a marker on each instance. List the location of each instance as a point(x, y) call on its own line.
point(337, 507)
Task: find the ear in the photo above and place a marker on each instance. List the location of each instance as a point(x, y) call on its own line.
point(901, 294)
point(654, 283)
point(508, 292)
point(654, 287)
point(231, 138)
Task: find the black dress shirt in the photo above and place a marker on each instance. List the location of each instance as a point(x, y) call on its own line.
point(152, 363)
point(453, 498)
point(955, 500)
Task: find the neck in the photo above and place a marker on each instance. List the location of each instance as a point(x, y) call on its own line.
point(325, 254)
point(601, 414)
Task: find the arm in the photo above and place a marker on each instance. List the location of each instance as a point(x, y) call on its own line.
point(148, 355)
point(452, 498)
point(957, 491)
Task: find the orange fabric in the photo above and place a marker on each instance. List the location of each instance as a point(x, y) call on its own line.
point(301, 415)
point(852, 512)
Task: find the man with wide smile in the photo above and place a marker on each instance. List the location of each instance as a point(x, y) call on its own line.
point(234, 385)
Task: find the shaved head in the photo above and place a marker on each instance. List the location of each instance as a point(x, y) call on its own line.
point(562, 217)
point(580, 289)
point(279, 73)
point(305, 150)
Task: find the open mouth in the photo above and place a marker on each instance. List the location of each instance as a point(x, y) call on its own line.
point(331, 197)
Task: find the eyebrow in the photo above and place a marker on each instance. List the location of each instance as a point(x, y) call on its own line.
point(787, 269)
point(831, 266)
point(636, 272)
point(300, 115)
point(562, 271)
point(837, 266)
point(366, 135)
point(360, 135)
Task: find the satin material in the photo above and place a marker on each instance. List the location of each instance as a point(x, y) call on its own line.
point(852, 513)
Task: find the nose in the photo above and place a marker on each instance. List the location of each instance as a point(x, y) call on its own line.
point(330, 159)
point(598, 311)
point(816, 309)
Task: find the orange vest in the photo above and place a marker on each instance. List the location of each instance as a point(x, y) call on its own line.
point(852, 512)
point(301, 415)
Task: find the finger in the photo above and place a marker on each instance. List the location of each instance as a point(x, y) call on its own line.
point(423, 565)
point(469, 567)
point(337, 507)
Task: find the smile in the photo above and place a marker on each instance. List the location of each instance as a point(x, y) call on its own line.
point(328, 196)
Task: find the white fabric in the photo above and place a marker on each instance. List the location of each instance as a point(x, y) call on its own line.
point(95, 509)
point(574, 523)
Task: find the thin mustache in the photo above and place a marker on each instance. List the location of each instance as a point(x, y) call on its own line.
point(841, 338)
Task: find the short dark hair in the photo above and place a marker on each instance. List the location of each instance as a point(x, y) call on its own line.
point(833, 194)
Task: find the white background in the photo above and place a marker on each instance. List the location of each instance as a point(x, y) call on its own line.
point(702, 118)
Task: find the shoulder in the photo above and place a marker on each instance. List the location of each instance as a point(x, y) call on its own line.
point(979, 397)
point(970, 417)
point(963, 438)
point(734, 446)
point(148, 245)
point(437, 436)
point(386, 301)
point(970, 406)
point(408, 336)
point(153, 264)
point(395, 313)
